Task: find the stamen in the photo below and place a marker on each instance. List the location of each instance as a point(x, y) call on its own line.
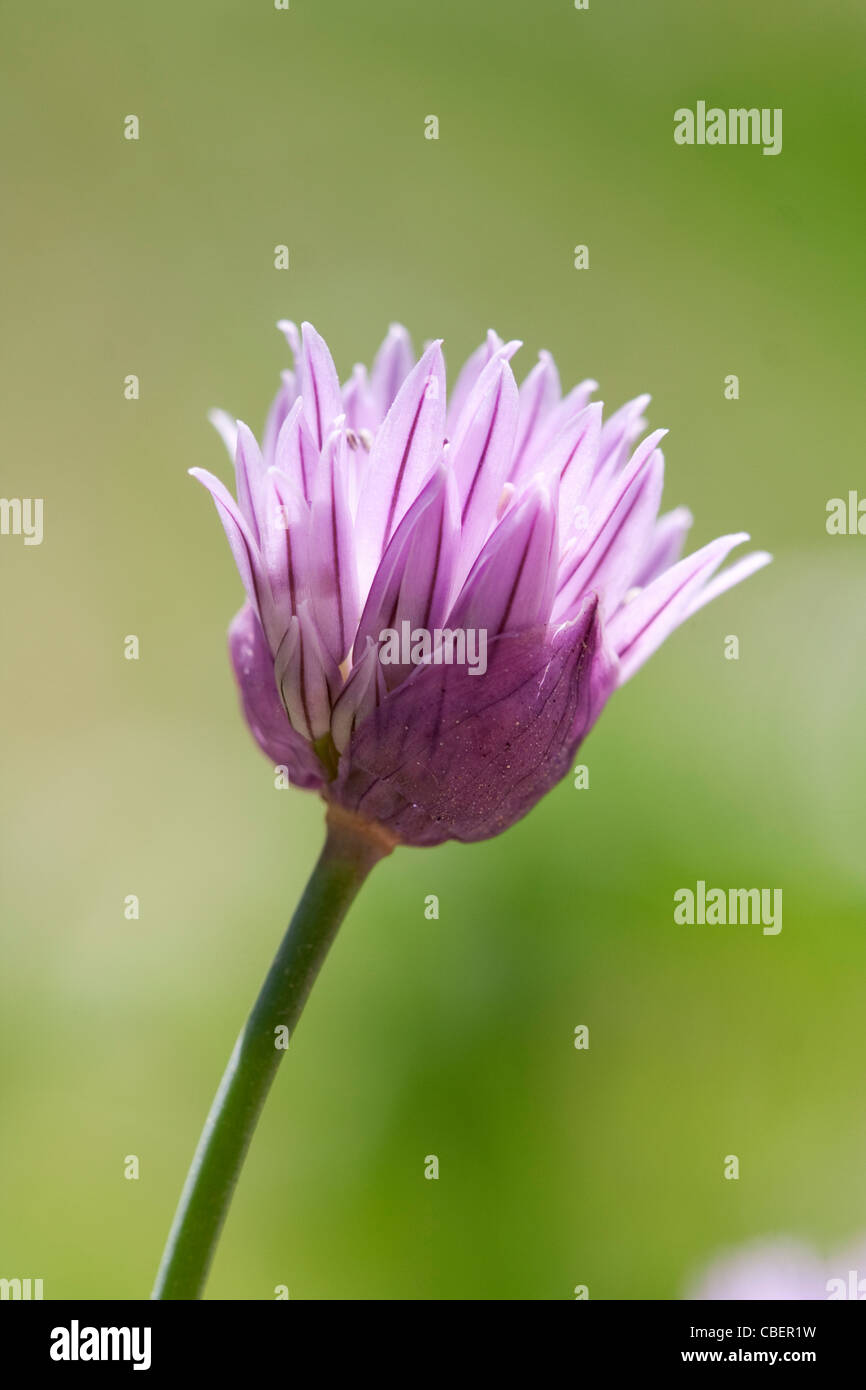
point(508, 492)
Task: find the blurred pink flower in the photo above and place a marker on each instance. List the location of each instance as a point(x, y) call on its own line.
point(782, 1268)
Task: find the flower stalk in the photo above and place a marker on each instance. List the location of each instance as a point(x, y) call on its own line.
point(352, 847)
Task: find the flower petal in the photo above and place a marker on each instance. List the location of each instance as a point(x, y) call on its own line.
point(283, 402)
point(249, 478)
point(319, 385)
point(359, 696)
point(414, 580)
point(512, 583)
point(641, 626)
point(290, 332)
point(243, 545)
point(406, 448)
point(480, 455)
point(295, 453)
point(394, 361)
point(468, 377)
point(307, 678)
point(539, 394)
point(263, 709)
point(226, 427)
point(465, 397)
point(734, 574)
point(572, 457)
point(618, 534)
point(285, 544)
point(557, 420)
point(618, 435)
point(331, 555)
point(666, 545)
point(358, 404)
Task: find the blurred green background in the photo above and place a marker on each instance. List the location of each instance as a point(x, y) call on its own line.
point(557, 1167)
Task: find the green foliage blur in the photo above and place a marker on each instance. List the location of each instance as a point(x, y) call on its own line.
point(455, 1037)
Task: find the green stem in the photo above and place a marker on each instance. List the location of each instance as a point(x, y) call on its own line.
point(351, 849)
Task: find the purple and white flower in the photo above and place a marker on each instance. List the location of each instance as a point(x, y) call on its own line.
point(516, 511)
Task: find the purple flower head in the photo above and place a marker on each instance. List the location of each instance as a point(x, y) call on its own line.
point(442, 594)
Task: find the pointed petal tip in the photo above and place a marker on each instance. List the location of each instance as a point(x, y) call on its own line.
point(538, 488)
point(588, 605)
point(729, 578)
point(756, 560)
point(226, 427)
point(289, 330)
point(683, 515)
point(309, 330)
